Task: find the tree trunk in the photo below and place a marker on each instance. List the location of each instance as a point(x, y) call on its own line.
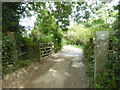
point(14, 46)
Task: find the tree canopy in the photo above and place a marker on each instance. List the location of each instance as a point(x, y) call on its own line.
point(60, 22)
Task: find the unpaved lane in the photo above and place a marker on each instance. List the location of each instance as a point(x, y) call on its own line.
point(62, 70)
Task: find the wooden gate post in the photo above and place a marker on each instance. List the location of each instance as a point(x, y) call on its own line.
point(0, 49)
point(90, 46)
point(101, 52)
point(40, 55)
point(14, 46)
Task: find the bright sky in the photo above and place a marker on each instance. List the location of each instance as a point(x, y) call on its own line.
point(28, 22)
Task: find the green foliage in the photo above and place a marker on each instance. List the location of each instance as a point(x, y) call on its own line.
point(6, 52)
point(28, 46)
point(88, 50)
point(87, 9)
point(78, 34)
point(6, 70)
point(47, 30)
point(110, 77)
point(50, 24)
point(26, 40)
point(21, 63)
point(60, 10)
point(11, 13)
point(24, 45)
point(35, 34)
point(46, 39)
point(15, 66)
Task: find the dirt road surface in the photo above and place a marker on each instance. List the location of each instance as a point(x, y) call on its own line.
point(64, 69)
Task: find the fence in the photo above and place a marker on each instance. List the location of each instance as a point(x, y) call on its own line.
point(45, 49)
point(21, 51)
point(27, 50)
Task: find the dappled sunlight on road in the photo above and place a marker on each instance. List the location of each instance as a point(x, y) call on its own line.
point(59, 60)
point(64, 69)
point(77, 64)
point(52, 70)
point(69, 57)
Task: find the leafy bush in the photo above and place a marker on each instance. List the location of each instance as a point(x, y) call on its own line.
point(78, 34)
point(46, 39)
point(88, 50)
point(15, 66)
point(21, 63)
point(110, 76)
point(6, 52)
point(24, 45)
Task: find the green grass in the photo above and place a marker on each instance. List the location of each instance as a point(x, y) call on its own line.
point(15, 66)
point(65, 43)
point(76, 46)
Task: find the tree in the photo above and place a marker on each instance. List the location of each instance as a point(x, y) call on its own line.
point(47, 27)
point(11, 13)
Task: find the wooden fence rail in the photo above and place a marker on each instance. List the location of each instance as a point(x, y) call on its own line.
point(45, 49)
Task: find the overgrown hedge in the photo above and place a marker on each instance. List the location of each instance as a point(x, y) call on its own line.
point(110, 77)
point(27, 51)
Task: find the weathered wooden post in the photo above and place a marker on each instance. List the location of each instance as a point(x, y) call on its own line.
point(101, 52)
point(14, 46)
point(0, 45)
point(40, 54)
point(52, 48)
point(90, 45)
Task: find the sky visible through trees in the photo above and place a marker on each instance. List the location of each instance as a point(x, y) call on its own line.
point(28, 22)
point(25, 25)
